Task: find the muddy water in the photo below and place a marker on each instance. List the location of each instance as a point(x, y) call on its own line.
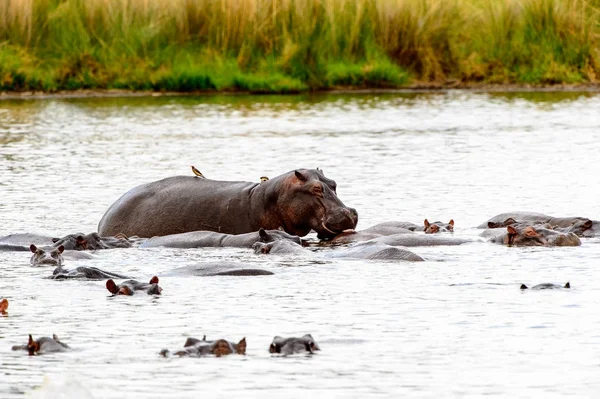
point(455, 325)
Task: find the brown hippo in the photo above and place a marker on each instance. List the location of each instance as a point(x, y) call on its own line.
point(546, 286)
point(200, 239)
point(194, 347)
point(298, 201)
point(3, 305)
point(582, 227)
point(527, 235)
point(128, 287)
point(42, 345)
point(289, 346)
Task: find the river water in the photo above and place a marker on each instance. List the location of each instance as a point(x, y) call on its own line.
point(456, 325)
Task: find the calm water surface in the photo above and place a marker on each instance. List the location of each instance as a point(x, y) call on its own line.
point(456, 325)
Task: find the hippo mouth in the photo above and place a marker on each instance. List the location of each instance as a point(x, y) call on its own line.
point(331, 233)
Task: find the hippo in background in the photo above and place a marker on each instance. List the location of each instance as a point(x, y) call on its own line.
point(582, 227)
point(3, 306)
point(42, 345)
point(194, 347)
point(392, 228)
point(212, 269)
point(54, 256)
point(546, 286)
point(290, 346)
point(83, 273)
point(299, 201)
point(93, 242)
point(129, 287)
point(527, 235)
point(367, 250)
point(200, 239)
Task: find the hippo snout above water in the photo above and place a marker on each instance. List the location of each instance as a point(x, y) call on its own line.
point(546, 286)
point(128, 287)
point(42, 345)
point(527, 235)
point(194, 347)
point(46, 256)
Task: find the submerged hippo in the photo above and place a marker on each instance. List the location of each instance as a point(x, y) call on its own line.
point(92, 241)
point(418, 240)
point(54, 256)
point(194, 347)
point(525, 235)
point(199, 239)
point(42, 345)
point(289, 346)
point(298, 201)
point(438, 227)
point(582, 227)
point(129, 287)
point(3, 305)
point(24, 239)
point(83, 273)
point(211, 269)
point(392, 228)
point(546, 286)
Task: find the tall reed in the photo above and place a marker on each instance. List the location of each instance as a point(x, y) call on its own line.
point(290, 45)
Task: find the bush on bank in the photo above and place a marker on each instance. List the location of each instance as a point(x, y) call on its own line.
point(294, 45)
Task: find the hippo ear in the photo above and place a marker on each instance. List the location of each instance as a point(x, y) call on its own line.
point(300, 176)
point(112, 287)
point(32, 248)
point(451, 222)
point(61, 249)
point(262, 233)
point(55, 239)
point(426, 223)
point(493, 225)
point(530, 232)
point(568, 285)
point(320, 170)
point(154, 280)
point(588, 224)
point(30, 343)
point(265, 249)
point(241, 347)
point(511, 230)
point(273, 348)
point(524, 287)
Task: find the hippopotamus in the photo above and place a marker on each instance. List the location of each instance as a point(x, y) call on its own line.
point(438, 227)
point(92, 241)
point(211, 269)
point(298, 201)
point(24, 239)
point(199, 239)
point(83, 273)
point(582, 227)
point(546, 286)
point(42, 345)
point(194, 347)
point(527, 235)
point(367, 250)
point(3, 305)
point(54, 256)
point(391, 228)
point(289, 346)
point(128, 287)
point(418, 240)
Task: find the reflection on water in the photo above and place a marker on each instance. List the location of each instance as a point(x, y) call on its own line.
point(455, 325)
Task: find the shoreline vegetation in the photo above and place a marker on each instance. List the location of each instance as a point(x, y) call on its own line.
point(105, 47)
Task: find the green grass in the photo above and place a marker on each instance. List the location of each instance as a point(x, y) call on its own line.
point(290, 46)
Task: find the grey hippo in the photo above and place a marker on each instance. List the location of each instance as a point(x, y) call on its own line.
point(199, 239)
point(42, 345)
point(212, 269)
point(84, 273)
point(391, 228)
point(580, 226)
point(194, 347)
point(298, 201)
point(54, 256)
point(289, 346)
point(546, 286)
point(527, 235)
point(129, 287)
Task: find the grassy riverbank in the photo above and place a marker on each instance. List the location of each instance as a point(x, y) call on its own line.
point(294, 45)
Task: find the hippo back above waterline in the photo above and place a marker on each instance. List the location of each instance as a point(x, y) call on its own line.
point(298, 201)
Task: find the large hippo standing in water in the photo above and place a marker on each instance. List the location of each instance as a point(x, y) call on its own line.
point(298, 201)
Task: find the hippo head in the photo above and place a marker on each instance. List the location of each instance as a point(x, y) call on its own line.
point(262, 247)
point(274, 235)
point(81, 242)
point(531, 236)
point(288, 346)
point(582, 227)
point(306, 200)
point(438, 227)
point(46, 256)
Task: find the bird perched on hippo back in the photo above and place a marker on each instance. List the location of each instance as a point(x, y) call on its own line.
point(298, 201)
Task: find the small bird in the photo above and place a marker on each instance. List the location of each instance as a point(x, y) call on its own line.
point(197, 172)
point(263, 179)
